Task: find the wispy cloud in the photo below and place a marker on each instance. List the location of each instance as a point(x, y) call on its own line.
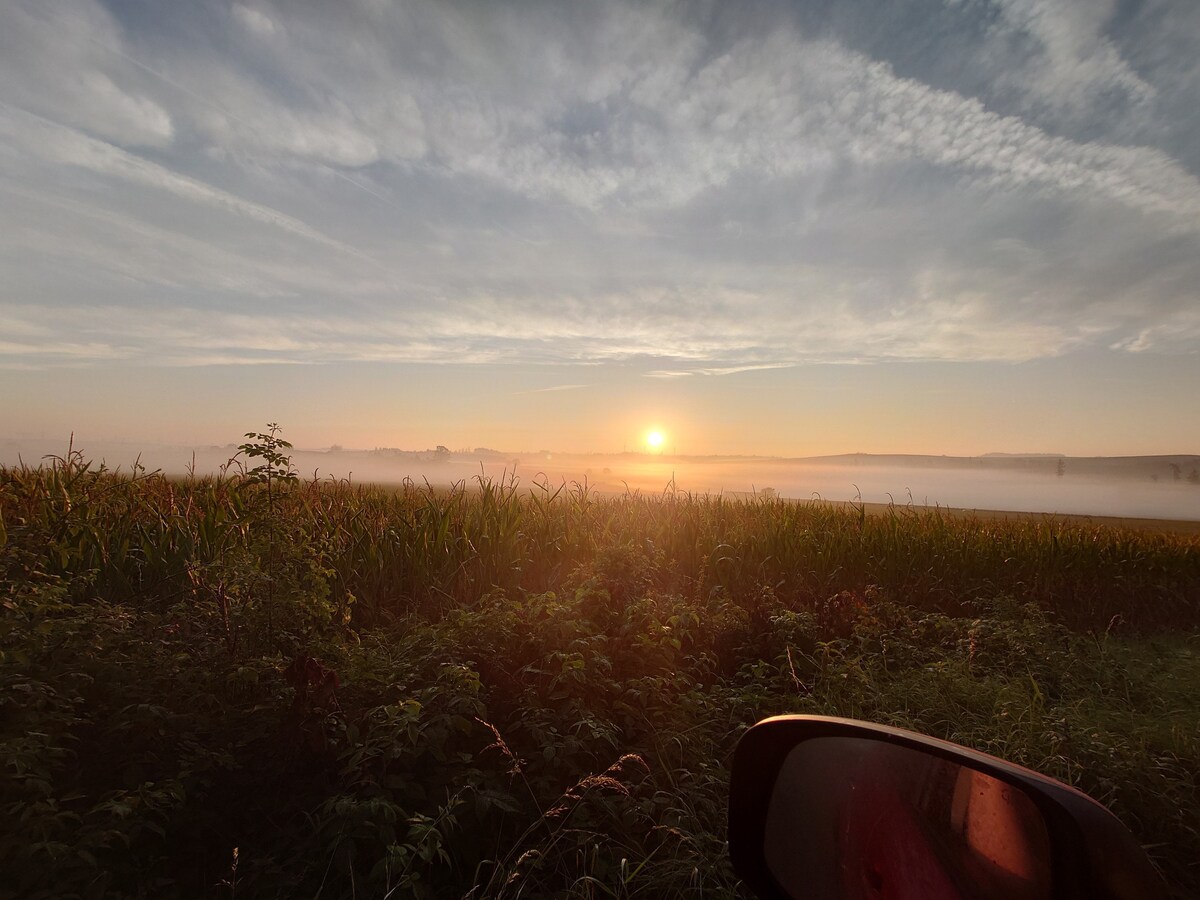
point(1075, 66)
point(716, 370)
point(65, 146)
point(734, 370)
point(502, 183)
point(557, 387)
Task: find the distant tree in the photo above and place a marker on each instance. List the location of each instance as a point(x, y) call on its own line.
point(1062, 468)
point(1193, 476)
point(442, 450)
point(1175, 471)
point(768, 493)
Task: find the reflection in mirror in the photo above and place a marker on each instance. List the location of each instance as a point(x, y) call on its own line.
point(860, 819)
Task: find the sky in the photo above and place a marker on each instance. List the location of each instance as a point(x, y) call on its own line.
point(925, 226)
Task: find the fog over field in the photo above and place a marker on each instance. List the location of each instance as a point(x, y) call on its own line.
point(1153, 487)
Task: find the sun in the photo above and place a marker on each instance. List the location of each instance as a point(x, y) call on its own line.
point(655, 439)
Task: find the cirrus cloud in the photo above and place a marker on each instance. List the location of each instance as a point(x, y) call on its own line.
point(521, 182)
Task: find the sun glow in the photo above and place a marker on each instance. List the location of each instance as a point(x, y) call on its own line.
point(655, 439)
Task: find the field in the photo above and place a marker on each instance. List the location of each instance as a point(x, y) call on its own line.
point(259, 686)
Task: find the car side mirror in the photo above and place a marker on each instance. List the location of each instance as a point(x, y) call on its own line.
point(837, 809)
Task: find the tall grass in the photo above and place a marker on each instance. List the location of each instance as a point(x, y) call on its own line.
point(216, 687)
point(393, 550)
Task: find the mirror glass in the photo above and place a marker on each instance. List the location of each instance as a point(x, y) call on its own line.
point(860, 819)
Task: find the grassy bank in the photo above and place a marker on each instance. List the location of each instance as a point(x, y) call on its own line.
point(229, 687)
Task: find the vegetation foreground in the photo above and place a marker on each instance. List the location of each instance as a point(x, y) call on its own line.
point(255, 686)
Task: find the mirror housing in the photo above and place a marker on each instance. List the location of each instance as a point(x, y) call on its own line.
point(1091, 854)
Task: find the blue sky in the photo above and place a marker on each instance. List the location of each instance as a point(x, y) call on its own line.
point(951, 226)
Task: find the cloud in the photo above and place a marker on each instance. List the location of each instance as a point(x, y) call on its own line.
point(702, 193)
point(1180, 333)
point(734, 370)
point(633, 104)
point(254, 20)
point(53, 62)
point(62, 145)
point(557, 387)
point(1075, 66)
point(715, 370)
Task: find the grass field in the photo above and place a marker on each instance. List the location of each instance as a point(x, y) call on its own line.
point(260, 687)
point(1127, 523)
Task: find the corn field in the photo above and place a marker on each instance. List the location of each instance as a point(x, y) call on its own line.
point(251, 687)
